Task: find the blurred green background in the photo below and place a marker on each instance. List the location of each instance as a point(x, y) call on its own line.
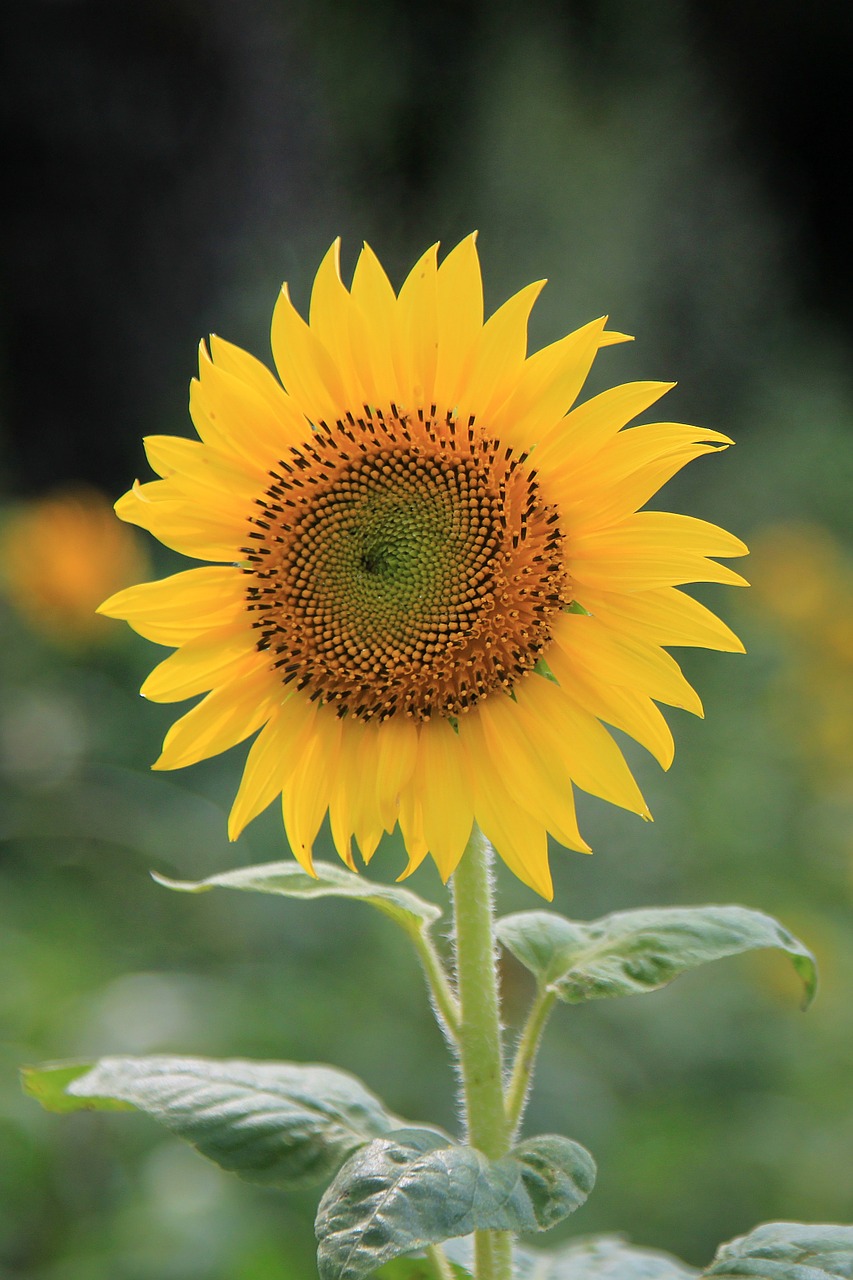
point(685, 168)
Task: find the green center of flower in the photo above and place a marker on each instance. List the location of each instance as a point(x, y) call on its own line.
point(404, 568)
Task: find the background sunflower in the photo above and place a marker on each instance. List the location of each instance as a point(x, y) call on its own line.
point(170, 165)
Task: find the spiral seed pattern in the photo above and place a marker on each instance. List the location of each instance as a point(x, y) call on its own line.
point(404, 565)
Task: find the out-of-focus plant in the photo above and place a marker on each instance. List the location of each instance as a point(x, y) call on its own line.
point(804, 582)
point(59, 556)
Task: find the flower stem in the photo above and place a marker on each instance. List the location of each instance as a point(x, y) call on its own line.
point(525, 1057)
point(439, 1262)
point(445, 1003)
point(480, 1043)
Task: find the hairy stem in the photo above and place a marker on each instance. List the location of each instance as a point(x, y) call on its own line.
point(525, 1057)
point(480, 1042)
point(444, 1001)
point(441, 1266)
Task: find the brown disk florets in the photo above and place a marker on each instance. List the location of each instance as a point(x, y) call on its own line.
point(404, 565)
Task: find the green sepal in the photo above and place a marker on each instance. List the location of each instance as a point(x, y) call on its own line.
point(634, 951)
point(289, 880)
point(416, 1188)
point(279, 1123)
point(786, 1251)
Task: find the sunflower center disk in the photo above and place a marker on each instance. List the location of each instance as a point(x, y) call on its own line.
point(404, 565)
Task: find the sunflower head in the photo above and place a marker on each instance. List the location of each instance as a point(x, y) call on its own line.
point(432, 583)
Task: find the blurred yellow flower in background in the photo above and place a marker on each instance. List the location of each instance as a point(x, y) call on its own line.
point(804, 581)
point(59, 555)
point(434, 582)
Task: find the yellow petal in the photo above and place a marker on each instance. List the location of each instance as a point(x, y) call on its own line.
point(376, 304)
point(632, 712)
point(239, 420)
point(519, 839)
point(216, 657)
point(585, 430)
point(329, 318)
point(200, 473)
point(663, 616)
point(272, 758)
point(498, 358)
point(611, 657)
point(306, 792)
point(460, 319)
point(344, 796)
point(446, 803)
point(177, 608)
point(397, 758)
point(161, 509)
point(225, 717)
point(304, 365)
point(548, 386)
point(538, 781)
point(653, 549)
point(246, 368)
point(251, 371)
point(367, 824)
point(591, 756)
point(417, 311)
point(627, 472)
point(411, 819)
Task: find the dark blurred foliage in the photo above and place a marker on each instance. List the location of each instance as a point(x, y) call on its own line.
point(685, 167)
point(151, 149)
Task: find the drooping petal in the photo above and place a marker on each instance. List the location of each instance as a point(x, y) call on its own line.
point(307, 789)
point(591, 756)
point(446, 801)
point(228, 715)
point(538, 783)
point(272, 758)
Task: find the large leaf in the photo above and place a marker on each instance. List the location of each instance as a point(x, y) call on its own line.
point(416, 1188)
point(590, 1258)
point(786, 1251)
point(271, 1122)
point(633, 951)
point(288, 879)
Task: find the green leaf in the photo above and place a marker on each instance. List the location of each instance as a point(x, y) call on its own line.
point(48, 1084)
point(288, 879)
point(786, 1251)
point(590, 1258)
point(415, 1188)
point(602, 1258)
point(634, 951)
point(270, 1122)
point(417, 1269)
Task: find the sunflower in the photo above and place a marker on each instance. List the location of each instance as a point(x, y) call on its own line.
point(432, 581)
